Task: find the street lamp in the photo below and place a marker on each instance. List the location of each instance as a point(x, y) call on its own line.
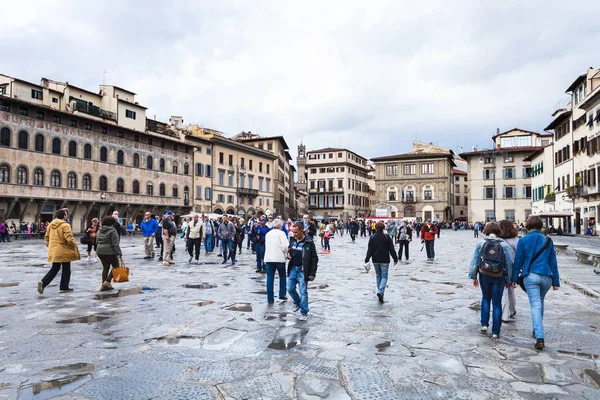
point(492, 155)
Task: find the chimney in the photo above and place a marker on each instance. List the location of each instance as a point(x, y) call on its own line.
point(474, 148)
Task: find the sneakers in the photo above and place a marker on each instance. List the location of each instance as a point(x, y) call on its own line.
point(172, 262)
point(147, 258)
point(303, 317)
point(89, 259)
point(224, 262)
point(539, 344)
point(232, 262)
point(483, 329)
point(282, 298)
point(41, 287)
point(160, 258)
point(69, 290)
point(495, 336)
point(258, 270)
point(190, 260)
point(219, 255)
point(380, 297)
point(296, 307)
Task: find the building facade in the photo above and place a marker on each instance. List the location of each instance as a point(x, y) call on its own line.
point(460, 195)
point(415, 185)
point(500, 177)
point(61, 148)
point(542, 196)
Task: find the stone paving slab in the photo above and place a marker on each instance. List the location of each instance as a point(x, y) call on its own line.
point(205, 331)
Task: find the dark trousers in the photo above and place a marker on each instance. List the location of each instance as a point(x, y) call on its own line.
point(403, 244)
point(65, 278)
point(352, 235)
point(430, 250)
point(108, 261)
point(237, 247)
point(193, 247)
point(159, 240)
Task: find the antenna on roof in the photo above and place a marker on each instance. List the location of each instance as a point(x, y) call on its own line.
point(104, 77)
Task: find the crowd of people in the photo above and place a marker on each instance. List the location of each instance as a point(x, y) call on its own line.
point(25, 230)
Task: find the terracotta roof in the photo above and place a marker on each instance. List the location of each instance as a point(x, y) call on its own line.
point(458, 171)
point(522, 149)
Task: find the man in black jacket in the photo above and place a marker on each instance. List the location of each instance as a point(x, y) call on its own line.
point(353, 228)
point(381, 247)
point(404, 238)
point(302, 268)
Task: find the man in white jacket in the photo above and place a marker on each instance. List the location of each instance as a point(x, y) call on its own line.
point(276, 249)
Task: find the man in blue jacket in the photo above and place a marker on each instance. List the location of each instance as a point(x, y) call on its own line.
point(302, 268)
point(149, 228)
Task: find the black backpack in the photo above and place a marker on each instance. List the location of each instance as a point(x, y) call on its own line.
point(491, 259)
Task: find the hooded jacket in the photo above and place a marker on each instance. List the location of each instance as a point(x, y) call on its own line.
point(310, 259)
point(108, 242)
point(62, 246)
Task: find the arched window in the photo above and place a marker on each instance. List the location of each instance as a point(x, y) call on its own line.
point(120, 157)
point(22, 175)
point(5, 137)
point(87, 182)
point(72, 148)
point(136, 187)
point(149, 162)
point(23, 140)
point(4, 173)
point(55, 179)
point(175, 191)
point(87, 151)
point(186, 195)
point(72, 180)
point(56, 146)
point(136, 160)
point(392, 193)
point(120, 185)
point(40, 142)
point(162, 164)
point(410, 212)
point(149, 189)
point(186, 169)
point(103, 183)
point(38, 177)
point(103, 154)
point(161, 190)
point(409, 195)
point(175, 167)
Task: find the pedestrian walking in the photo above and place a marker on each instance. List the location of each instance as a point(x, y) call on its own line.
point(118, 225)
point(276, 250)
point(3, 231)
point(62, 250)
point(169, 234)
point(193, 237)
point(259, 244)
point(404, 238)
point(492, 263)
point(109, 251)
point(149, 228)
point(92, 243)
point(428, 232)
point(476, 230)
point(226, 233)
point(535, 263)
point(302, 268)
point(353, 228)
point(392, 230)
point(379, 249)
point(240, 233)
point(327, 239)
point(209, 235)
point(509, 235)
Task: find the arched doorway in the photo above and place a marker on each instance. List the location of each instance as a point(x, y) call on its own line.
point(230, 211)
point(410, 212)
point(218, 211)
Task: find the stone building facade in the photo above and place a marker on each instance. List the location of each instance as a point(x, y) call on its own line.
point(86, 160)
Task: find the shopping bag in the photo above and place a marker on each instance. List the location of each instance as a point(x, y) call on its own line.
point(120, 274)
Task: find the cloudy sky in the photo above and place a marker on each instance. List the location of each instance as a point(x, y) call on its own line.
point(370, 76)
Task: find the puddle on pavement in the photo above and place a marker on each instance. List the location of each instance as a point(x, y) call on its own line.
point(418, 280)
point(203, 285)
point(7, 305)
point(9, 284)
point(120, 293)
point(54, 388)
point(205, 303)
point(281, 316)
point(322, 286)
point(83, 367)
point(84, 320)
point(594, 375)
point(383, 346)
point(184, 341)
point(244, 307)
point(476, 307)
point(445, 293)
point(457, 285)
point(288, 338)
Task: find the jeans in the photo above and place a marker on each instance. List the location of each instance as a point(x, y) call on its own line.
point(381, 274)
point(194, 247)
point(65, 278)
point(537, 286)
point(249, 242)
point(271, 268)
point(475, 233)
point(208, 243)
point(227, 249)
point(429, 244)
point(327, 246)
point(217, 240)
point(491, 291)
point(108, 261)
point(403, 245)
point(260, 255)
point(297, 278)
point(352, 235)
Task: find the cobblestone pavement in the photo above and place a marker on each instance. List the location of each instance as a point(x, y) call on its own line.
point(206, 332)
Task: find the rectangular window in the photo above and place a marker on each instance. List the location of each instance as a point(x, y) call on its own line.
point(466, 200)
point(488, 174)
point(230, 199)
point(250, 182)
point(313, 200)
point(39, 115)
point(250, 165)
point(73, 122)
point(221, 158)
point(527, 192)
point(427, 168)
point(489, 215)
point(120, 133)
point(221, 198)
point(56, 119)
point(209, 170)
point(129, 114)
point(456, 188)
point(269, 146)
point(410, 169)
point(199, 192)
point(488, 193)
point(3, 90)
point(221, 178)
point(509, 173)
point(268, 185)
point(457, 200)
point(87, 126)
point(508, 192)
point(260, 167)
point(55, 100)
point(36, 94)
point(260, 184)
point(242, 181)
point(230, 180)
point(391, 170)
point(23, 111)
point(207, 194)
point(230, 159)
point(268, 169)
point(509, 215)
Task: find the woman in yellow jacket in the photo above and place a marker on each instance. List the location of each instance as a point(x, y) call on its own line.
point(62, 249)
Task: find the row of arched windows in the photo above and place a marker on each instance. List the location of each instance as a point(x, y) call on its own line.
point(22, 178)
point(40, 145)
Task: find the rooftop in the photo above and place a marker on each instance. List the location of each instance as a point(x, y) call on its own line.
point(560, 118)
point(576, 83)
point(500, 150)
point(414, 156)
point(519, 129)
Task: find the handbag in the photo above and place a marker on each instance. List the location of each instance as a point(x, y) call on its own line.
point(120, 274)
point(85, 239)
point(539, 253)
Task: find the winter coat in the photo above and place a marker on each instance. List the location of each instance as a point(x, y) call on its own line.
point(62, 246)
point(428, 232)
point(310, 259)
point(108, 242)
point(380, 248)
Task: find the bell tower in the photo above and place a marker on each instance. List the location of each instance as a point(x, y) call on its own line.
point(301, 182)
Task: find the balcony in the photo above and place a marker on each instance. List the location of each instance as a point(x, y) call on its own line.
point(550, 198)
point(89, 108)
point(409, 200)
point(247, 192)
